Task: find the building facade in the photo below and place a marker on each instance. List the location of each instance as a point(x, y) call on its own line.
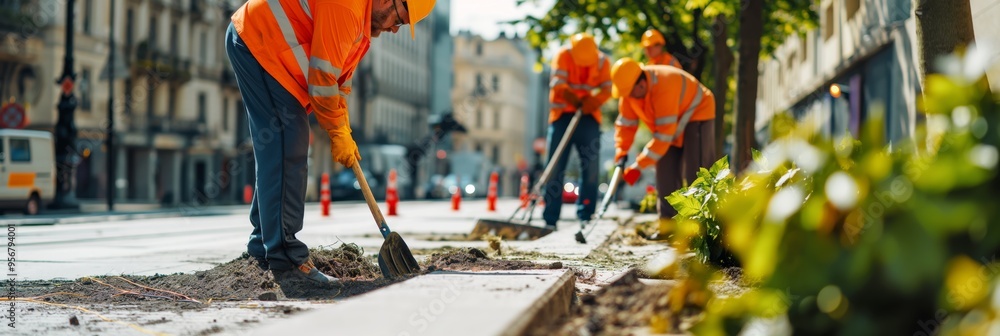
point(176, 101)
point(498, 96)
point(866, 47)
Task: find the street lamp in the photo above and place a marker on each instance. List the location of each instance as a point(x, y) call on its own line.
point(65, 197)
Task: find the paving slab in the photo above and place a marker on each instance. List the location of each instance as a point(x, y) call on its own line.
point(563, 241)
point(443, 303)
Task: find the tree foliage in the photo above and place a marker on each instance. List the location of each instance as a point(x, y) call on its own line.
point(619, 24)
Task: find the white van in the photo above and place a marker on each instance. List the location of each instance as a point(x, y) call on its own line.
point(27, 170)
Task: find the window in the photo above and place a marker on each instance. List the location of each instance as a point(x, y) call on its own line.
point(828, 22)
point(479, 148)
point(479, 119)
point(201, 107)
point(225, 114)
point(496, 83)
point(479, 48)
point(852, 8)
point(203, 48)
point(2, 154)
point(496, 119)
point(152, 35)
point(174, 44)
point(87, 14)
point(85, 89)
point(20, 150)
point(129, 22)
point(496, 153)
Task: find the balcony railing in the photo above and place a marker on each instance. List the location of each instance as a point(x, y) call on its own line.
point(16, 18)
point(163, 65)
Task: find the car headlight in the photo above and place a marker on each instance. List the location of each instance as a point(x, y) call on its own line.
point(576, 190)
point(357, 186)
point(568, 187)
point(470, 189)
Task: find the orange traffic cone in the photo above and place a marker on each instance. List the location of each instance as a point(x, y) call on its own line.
point(324, 194)
point(491, 195)
point(247, 194)
point(391, 195)
point(456, 198)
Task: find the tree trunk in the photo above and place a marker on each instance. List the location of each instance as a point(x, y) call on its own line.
point(751, 30)
point(723, 63)
point(942, 26)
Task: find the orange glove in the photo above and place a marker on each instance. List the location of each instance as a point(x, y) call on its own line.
point(570, 98)
point(632, 174)
point(591, 105)
point(619, 154)
point(343, 149)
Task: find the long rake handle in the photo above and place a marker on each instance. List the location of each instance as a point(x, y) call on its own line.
point(370, 199)
point(557, 155)
point(553, 161)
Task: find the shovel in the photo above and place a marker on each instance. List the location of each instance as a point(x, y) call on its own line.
point(394, 258)
point(616, 179)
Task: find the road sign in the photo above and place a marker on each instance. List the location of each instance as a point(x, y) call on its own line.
point(539, 145)
point(12, 116)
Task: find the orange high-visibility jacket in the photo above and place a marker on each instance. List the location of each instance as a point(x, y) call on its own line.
point(566, 75)
point(311, 47)
point(666, 59)
point(675, 98)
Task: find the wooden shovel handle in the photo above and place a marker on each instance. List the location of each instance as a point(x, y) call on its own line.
point(370, 199)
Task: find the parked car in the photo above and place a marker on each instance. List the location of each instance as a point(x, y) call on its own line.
point(571, 192)
point(469, 187)
point(27, 170)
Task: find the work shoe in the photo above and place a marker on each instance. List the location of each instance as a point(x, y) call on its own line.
point(307, 272)
point(551, 226)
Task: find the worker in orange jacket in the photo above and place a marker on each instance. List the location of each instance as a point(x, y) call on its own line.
point(292, 57)
point(654, 46)
point(680, 112)
point(581, 80)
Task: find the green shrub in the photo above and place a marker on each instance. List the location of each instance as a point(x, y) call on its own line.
point(851, 238)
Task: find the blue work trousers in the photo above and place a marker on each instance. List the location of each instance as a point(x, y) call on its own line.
point(279, 129)
point(587, 141)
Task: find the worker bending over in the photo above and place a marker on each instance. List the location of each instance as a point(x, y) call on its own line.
point(292, 57)
point(679, 111)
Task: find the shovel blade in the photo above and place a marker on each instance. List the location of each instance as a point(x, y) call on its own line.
point(395, 258)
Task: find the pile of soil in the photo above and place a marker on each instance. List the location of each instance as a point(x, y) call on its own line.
point(473, 259)
point(239, 279)
point(617, 309)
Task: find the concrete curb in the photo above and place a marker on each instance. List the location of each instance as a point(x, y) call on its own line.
point(444, 303)
point(553, 305)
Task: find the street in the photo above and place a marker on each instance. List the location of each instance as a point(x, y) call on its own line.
point(185, 244)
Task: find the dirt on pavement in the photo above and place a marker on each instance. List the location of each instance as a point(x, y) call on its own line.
point(473, 259)
point(621, 308)
point(239, 279)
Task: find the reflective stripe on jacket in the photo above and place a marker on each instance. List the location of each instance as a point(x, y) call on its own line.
point(674, 99)
point(666, 59)
point(311, 47)
point(581, 80)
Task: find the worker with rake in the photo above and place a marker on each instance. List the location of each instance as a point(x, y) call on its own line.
point(581, 80)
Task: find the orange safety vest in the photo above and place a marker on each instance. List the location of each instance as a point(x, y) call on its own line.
point(311, 47)
point(581, 80)
point(666, 59)
point(675, 98)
